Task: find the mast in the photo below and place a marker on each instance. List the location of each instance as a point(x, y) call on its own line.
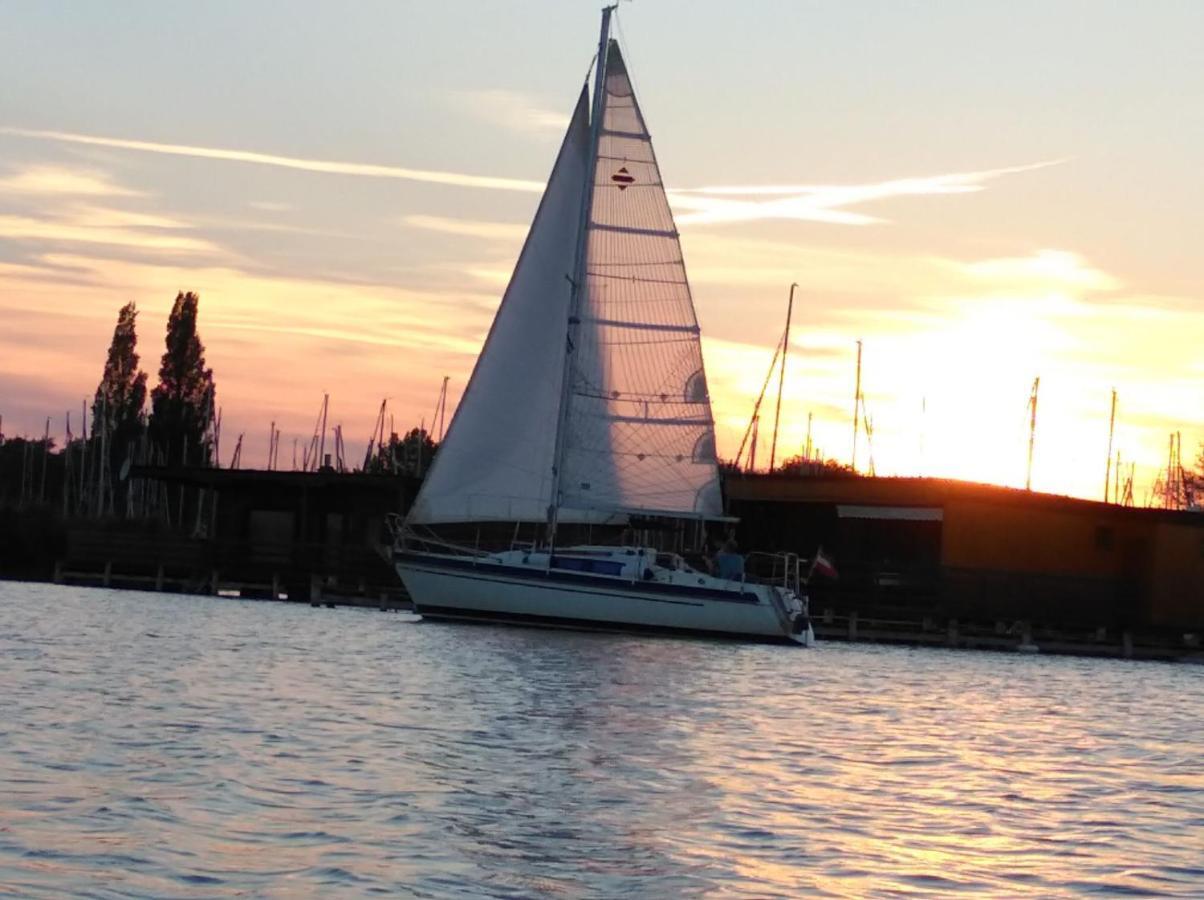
point(752, 453)
point(773, 447)
point(856, 406)
point(1032, 432)
point(1111, 430)
point(577, 280)
point(756, 413)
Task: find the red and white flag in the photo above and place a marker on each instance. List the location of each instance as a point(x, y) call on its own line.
point(822, 563)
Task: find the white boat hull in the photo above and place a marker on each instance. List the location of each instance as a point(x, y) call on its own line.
point(450, 588)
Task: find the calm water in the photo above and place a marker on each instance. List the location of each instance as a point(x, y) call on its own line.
point(154, 745)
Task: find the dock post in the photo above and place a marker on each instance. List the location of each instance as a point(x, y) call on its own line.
point(159, 578)
point(58, 571)
point(275, 585)
point(952, 633)
point(1126, 645)
point(853, 626)
point(213, 583)
point(108, 575)
point(315, 591)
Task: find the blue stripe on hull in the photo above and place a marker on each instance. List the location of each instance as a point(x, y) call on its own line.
point(559, 578)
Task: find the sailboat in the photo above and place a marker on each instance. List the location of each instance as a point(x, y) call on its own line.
point(588, 410)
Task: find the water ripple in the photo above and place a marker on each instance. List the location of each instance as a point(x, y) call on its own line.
point(160, 746)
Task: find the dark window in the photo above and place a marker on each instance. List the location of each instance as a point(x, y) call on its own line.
point(596, 566)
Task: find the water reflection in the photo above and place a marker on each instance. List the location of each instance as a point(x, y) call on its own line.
point(163, 746)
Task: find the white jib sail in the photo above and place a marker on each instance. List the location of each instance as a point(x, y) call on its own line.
point(639, 431)
point(495, 464)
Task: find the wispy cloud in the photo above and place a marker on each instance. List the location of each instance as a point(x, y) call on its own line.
point(330, 167)
point(507, 231)
point(1046, 268)
point(512, 110)
point(824, 203)
point(61, 181)
point(703, 205)
point(109, 227)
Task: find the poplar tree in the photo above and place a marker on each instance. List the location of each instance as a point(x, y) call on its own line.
point(119, 404)
point(182, 403)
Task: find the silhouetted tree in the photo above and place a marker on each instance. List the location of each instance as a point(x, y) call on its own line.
point(119, 405)
point(182, 403)
point(409, 455)
point(22, 461)
point(1195, 483)
point(800, 465)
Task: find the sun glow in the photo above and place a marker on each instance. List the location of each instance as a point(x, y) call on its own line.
point(946, 391)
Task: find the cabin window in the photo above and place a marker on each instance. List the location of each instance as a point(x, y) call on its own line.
point(594, 566)
point(1104, 537)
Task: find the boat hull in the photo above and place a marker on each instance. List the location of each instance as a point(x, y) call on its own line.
point(456, 589)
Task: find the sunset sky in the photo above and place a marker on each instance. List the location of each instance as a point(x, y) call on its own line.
point(981, 192)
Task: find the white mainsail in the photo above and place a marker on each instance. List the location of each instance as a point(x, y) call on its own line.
point(495, 464)
point(638, 435)
point(639, 432)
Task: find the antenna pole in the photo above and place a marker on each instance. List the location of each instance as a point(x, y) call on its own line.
point(1111, 430)
point(1032, 432)
point(773, 447)
point(856, 406)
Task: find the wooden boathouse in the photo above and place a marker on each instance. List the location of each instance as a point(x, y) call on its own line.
point(312, 536)
point(921, 561)
point(962, 557)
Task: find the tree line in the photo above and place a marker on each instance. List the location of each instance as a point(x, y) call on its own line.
point(120, 429)
point(175, 423)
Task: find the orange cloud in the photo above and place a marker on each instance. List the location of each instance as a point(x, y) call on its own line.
point(60, 180)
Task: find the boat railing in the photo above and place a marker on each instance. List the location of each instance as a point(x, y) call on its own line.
point(783, 569)
point(406, 535)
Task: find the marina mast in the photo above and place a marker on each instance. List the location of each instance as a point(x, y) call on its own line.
point(773, 447)
point(1111, 430)
point(856, 406)
point(1032, 431)
point(440, 410)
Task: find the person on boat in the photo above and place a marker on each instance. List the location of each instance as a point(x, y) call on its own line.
point(729, 563)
